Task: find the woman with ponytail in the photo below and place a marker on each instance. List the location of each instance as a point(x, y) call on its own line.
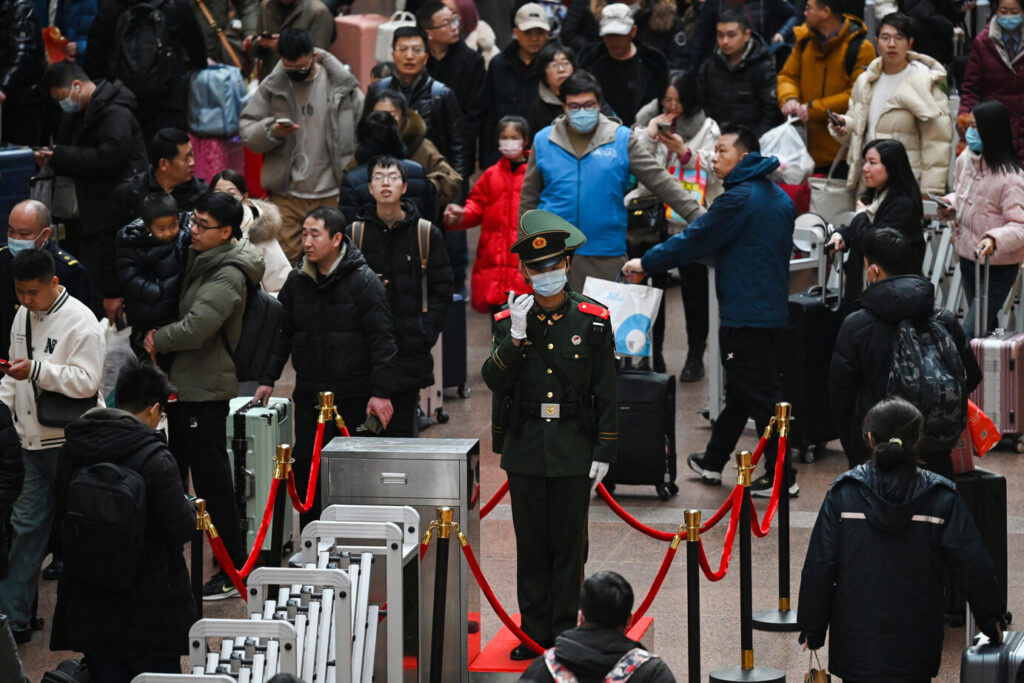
point(873, 573)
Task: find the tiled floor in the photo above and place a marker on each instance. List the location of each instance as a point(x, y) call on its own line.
point(615, 546)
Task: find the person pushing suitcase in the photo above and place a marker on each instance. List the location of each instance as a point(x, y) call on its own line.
point(555, 422)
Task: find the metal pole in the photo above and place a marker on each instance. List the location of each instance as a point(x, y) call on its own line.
point(281, 471)
point(691, 520)
point(444, 532)
point(197, 554)
point(743, 459)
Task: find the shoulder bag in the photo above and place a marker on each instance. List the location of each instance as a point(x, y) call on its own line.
point(54, 409)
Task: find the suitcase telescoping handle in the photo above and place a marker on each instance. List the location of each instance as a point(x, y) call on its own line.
point(830, 256)
point(980, 295)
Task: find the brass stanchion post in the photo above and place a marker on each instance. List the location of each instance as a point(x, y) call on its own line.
point(282, 468)
point(327, 410)
point(783, 618)
point(746, 671)
point(444, 534)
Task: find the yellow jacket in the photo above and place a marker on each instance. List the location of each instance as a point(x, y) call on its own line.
point(821, 73)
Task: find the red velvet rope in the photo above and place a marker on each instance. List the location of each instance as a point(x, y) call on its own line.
point(221, 553)
point(495, 605)
point(495, 499)
point(730, 535)
point(475, 497)
point(423, 550)
point(314, 474)
point(759, 451)
point(630, 519)
point(761, 530)
point(655, 587)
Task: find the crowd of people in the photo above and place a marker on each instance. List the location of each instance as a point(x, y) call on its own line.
point(544, 124)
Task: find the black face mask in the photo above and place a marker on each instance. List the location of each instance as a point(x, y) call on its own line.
point(299, 74)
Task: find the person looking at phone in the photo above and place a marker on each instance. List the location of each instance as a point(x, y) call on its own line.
point(303, 119)
point(275, 16)
point(988, 206)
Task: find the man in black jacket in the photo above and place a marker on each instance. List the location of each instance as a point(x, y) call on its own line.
point(863, 355)
point(21, 69)
point(630, 73)
point(142, 627)
point(591, 650)
point(738, 80)
point(98, 145)
point(337, 329)
point(407, 252)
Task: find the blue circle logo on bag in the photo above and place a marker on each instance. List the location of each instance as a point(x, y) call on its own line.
point(632, 337)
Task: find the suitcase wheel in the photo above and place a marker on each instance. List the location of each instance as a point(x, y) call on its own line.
point(672, 488)
point(441, 415)
point(663, 493)
point(464, 390)
point(1019, 446)
point(806, 455)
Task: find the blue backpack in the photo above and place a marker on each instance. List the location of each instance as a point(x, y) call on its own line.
point(216, 98)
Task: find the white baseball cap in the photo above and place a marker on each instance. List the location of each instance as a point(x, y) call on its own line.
point(616, 20)
point(532, 15)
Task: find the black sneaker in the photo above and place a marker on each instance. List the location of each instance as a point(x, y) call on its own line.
point(696, 463)
point(219, 587)
point(521, 653)
point(762, 487)
point(693, 370)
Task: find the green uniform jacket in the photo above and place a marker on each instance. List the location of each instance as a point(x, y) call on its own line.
point(582, 343)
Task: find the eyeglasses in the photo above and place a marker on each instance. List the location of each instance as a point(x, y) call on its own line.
point(589, 106)
point(891, 37)
point(416, 50)
point(390, 178)
point(448, 22)
point(560, 65)
point(194, 222)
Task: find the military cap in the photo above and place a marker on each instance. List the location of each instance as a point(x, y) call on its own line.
point(542, 249)
point(536, 220)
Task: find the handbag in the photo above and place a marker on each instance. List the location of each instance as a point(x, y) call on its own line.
point(54, 409)
point(645, 225)
point(694, 180)
point(57, 192)
point(829, 195)
point(818, 675)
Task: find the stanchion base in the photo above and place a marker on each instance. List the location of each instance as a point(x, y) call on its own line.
point(760, 674)
point(775, 620)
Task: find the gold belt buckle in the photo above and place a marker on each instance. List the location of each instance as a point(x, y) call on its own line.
point(550, 410)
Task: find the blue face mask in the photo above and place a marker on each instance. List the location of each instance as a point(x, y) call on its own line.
point(973, 139)
point(1010, 22)
point(18, 246)
point(549, 283)
point(68, 105)
point(583, 120)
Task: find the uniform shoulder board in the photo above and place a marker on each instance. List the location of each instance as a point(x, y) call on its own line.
point(73, 262)
point(595, 310)
point(501, 315)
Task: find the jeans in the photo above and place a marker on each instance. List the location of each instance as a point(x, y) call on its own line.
point(1000, 282)
point(31, 518)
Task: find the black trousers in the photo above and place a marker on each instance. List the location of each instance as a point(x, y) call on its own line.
point(693, 286)
point(198, 440)
point(353, 411)
point(549, 515)
point(751, 390)
point(404, 422)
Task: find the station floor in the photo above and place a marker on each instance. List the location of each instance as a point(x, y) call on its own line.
point(614, 546)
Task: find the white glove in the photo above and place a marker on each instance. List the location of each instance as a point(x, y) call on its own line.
point(597, 471)
point(519, 306)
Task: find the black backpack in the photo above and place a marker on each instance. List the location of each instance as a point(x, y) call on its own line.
point(928, 372)
point(143, 59)
point(261, 327)
point(105, 526)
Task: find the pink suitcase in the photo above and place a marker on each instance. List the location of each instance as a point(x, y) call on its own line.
point(213, 155)
point(354, 43)
point(1001, 392)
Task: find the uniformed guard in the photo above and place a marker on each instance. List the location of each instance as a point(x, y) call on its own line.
point(554, 421)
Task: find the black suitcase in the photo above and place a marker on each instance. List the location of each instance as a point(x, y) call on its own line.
point(985, 495)
point(647, 432)
point(805, 351)
point(994, 663)
point(17, 166)
point(453, 347)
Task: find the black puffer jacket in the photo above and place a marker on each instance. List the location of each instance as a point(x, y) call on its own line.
point(99, 148)
point(355, 187)
point(21, 52)
point(590, 653)
point(12, 476)
point(874, 568)
point(394, 255)
point(659, 25)
point(152, 617)
point(439, 108)
point(511, 89)
point(337, 329)
point(744, 93)
point(862, 358)
point(150, 272)
point(628, 98)
point(463, 70)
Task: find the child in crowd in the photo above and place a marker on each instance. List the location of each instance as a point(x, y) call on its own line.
point(494, 205)
point(151, 255)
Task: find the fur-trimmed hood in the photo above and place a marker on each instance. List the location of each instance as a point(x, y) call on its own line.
point(262, 221)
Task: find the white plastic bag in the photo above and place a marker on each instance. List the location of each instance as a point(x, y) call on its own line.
point(119, 350)
point(785, 142)
point(633, 309)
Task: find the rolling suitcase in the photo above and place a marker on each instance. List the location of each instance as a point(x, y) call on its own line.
point(647, 432)
point(453, 350)
point(263, 428)
point(982, 662)
point(355, 39)
point(17, 166)
point(432, 397)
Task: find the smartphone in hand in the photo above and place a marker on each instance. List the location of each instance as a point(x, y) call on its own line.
point(834, 119)
point(665, 128)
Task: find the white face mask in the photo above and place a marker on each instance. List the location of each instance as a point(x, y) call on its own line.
point(510, 149)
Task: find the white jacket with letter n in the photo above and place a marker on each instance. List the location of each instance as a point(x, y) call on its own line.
point(68, 350)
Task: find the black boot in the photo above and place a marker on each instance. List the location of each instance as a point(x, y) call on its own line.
point(693, 369)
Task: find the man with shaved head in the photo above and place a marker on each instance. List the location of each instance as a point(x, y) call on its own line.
point(29, 227)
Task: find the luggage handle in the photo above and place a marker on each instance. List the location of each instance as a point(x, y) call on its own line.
point(980, 295)
point(829, 255)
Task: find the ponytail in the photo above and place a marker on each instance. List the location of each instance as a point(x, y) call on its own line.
point(895, 426)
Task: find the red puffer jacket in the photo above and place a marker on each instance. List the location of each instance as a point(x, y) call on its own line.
point(494, 205)
point(992, 75)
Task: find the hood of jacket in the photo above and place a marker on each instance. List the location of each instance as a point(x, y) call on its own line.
point(547, 95)
point(106, 435)
point(265, 223)
point(750, 167)
point(915, 91)
point(591, 652)
point(756, 49)
point(414, 131)
point(351, 259)
point(365, 152)
point(241, 253)
point(899, 298)
point(891, 499)
point(339, 78)
point(108, 94)
point(852, 26)
point(603, 134)
point(136, 236)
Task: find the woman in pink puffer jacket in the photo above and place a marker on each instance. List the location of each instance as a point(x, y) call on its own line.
point(989, 207)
